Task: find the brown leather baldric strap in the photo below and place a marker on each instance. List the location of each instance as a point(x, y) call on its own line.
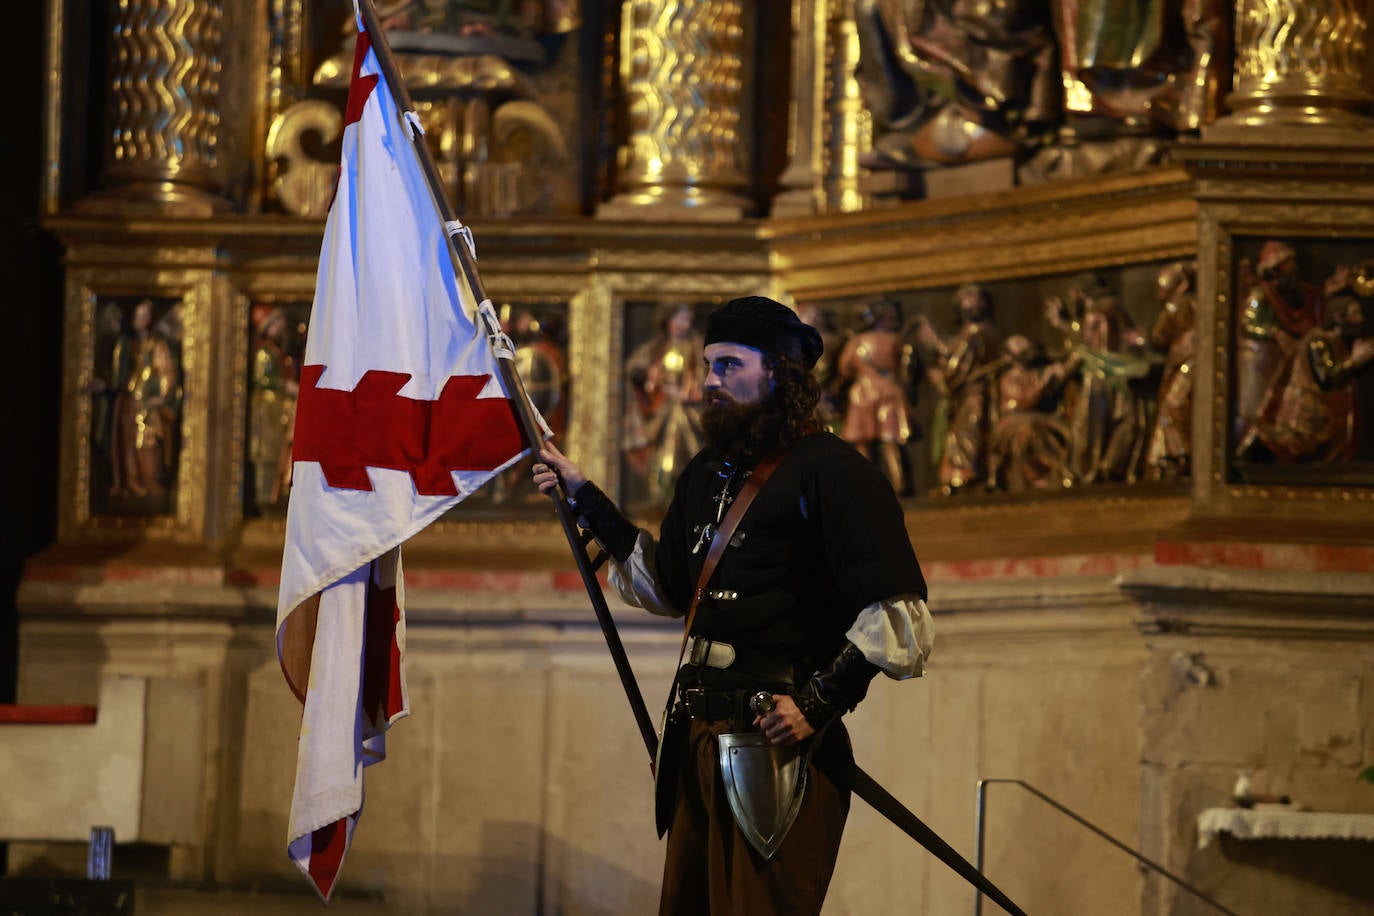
point(757, 478)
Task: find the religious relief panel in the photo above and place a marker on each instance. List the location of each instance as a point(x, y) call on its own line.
point(1042, 88)
point(663, 376)
point(951, 81)
point(1017, 386)
point(1302, 409)
point(275, 355)
point(137, 395)
point(494, 86)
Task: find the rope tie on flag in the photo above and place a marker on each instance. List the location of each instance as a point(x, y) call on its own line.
point(413, 126)
point(458, 230)
point(500, 342)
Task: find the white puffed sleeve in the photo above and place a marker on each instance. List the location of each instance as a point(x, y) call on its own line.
point(634, 580)
point(896, 635)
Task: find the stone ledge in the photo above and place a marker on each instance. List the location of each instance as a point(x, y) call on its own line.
point(1253, 603)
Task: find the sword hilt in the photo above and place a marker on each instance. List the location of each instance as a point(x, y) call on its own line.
point(761, 703)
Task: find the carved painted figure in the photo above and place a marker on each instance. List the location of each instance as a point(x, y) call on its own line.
point(664, 420)
point(1028, 446)
point(147, 405)
point(877, 418)
point(961, 369)
point(1168, 454)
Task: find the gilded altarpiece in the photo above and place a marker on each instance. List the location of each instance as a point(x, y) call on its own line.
point(1292, 230)
point(228, 250)
point(495, 91)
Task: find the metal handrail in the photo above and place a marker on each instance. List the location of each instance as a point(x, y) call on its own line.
point(982, 812)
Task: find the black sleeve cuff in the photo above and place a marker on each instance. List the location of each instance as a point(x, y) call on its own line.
point(605, 521)
point(836, 690)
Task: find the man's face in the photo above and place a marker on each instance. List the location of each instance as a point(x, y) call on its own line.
point(970, 305)
point(1165, 284)
point(735, 374)
point(1352, 319)
point(143, 316)
point(1096, 330)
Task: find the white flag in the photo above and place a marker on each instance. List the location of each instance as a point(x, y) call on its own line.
point(401, 414)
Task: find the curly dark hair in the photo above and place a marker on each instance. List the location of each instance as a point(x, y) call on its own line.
point(784, 418)
point(797, 393)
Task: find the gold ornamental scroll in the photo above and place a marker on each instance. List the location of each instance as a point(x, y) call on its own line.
point(165, 76)
point(1301, 62)
point(682, 70)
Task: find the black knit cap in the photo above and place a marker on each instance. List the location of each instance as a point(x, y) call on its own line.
point(761, 323)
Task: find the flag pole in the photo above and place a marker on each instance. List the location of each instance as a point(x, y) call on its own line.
point(464, 261)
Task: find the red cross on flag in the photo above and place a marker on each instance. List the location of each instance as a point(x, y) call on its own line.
point(401, 414)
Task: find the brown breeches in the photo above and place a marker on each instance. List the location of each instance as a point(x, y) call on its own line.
point(711, 870)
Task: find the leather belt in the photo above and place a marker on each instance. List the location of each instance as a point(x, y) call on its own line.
point(712, 705)
point(711, 653)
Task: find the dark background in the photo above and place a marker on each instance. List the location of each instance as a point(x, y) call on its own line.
point(31, 358)
point(32, 361)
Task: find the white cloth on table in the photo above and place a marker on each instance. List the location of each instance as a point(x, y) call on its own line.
point(1283, 822)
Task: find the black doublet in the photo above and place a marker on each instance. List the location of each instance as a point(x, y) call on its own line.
point(824, 538)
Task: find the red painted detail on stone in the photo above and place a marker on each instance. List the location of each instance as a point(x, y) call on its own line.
point(1042, 567)
point(98, 573)
point(25, 714)
point(51, 572)
point(1107, 564)
point(1278, 556)
point(361, 87)
point(253, 577)
point(1171, 553)
point(1343, 559)
point(571, 581)
point(348, 432)
point(474, 580)
point(164, 575)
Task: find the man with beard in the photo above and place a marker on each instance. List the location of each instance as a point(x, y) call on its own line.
point(815, 591)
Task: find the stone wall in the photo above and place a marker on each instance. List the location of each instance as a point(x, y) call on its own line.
point(1267, 672)
point(520, 785)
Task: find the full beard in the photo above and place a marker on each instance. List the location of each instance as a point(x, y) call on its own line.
point(740, 430)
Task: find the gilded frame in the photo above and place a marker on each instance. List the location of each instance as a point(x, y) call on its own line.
point(1220, 226)
point(86, 289)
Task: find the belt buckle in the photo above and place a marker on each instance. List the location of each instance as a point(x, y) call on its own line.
point(694, 698)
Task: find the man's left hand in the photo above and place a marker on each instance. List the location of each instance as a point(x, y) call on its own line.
point(785, 725)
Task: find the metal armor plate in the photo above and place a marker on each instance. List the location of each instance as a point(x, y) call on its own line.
point(765, 784)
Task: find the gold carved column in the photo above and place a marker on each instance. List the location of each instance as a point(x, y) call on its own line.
point(829, 129)
point(164, 110)
point(1300, 62)
point(803, 191)
point(681, 65)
